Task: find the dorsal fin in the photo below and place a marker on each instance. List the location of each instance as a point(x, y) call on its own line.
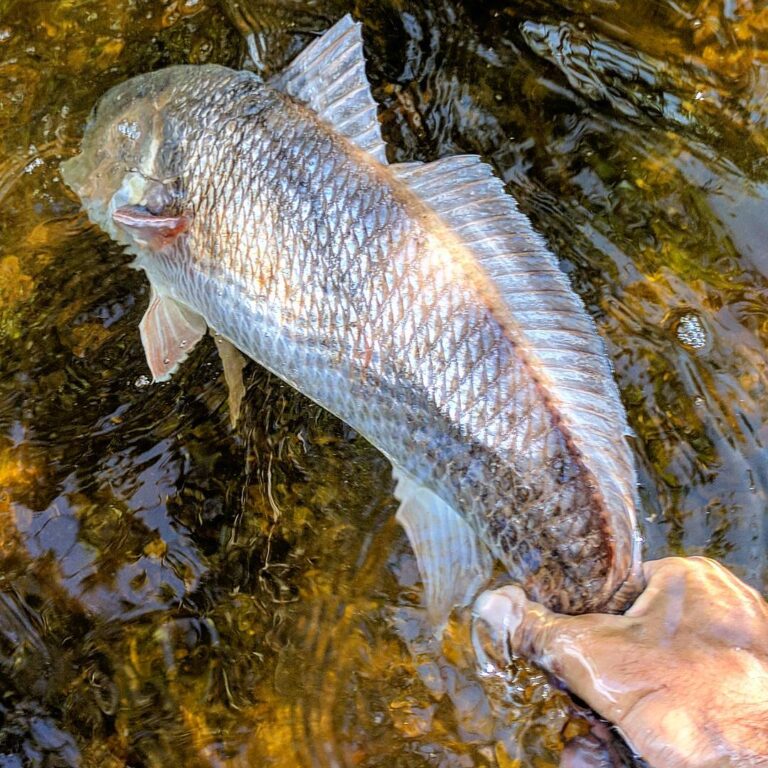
point(329, 76)
point(552, 326)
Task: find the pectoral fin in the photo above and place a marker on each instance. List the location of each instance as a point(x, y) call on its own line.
point(233, 363)
point(453, 563)
point(169, 332)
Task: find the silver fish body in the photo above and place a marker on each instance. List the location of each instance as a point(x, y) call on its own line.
point(369, 288)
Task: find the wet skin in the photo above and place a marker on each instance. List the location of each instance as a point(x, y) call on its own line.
point(683, 673)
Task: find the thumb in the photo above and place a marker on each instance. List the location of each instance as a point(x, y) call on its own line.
point(518, 625)
point(563, 645)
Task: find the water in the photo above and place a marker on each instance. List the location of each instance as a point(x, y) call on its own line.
point(173, 593)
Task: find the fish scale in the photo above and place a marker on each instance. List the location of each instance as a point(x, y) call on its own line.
point(414, 301)
point(443, 359)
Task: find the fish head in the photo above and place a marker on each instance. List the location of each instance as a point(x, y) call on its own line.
point(132, 152)
point(115, 166)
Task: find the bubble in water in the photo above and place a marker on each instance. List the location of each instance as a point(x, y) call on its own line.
point(36, 163)
point(690, 331)
point(142, 381)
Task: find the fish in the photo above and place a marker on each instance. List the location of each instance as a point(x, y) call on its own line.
point(413, 300)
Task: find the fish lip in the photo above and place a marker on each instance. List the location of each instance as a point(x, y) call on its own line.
point(123, 215)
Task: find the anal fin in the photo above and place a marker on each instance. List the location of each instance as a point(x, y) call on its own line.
point(169, 332)
point(453, 563)
point(233, 362)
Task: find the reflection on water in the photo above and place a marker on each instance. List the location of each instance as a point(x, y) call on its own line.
point(172, 593)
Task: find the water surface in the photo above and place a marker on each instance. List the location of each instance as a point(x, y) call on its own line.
point(176, 593)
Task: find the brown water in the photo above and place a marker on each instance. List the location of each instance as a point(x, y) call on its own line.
point(176, 594)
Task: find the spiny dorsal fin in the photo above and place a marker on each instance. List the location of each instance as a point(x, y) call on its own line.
point(550, 321)
point(329, 76)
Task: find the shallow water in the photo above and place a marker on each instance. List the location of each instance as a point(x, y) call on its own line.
point(173, 593)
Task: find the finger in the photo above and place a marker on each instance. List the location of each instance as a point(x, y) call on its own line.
point(655, 568)
point(588, 653)
point(728, 581)
point(659, 574)
point(718, 606)
point(688, 578)
point(513, 619)
point(560, 644)
point(677, 566)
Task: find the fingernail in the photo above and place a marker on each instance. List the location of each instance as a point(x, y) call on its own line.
point(500, 616)
point(489, 639)
point(499, 610)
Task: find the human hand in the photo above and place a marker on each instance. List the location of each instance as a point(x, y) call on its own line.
point(683, 673)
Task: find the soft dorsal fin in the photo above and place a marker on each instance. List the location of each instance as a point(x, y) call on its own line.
point(329, 76)
point(552, 326)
